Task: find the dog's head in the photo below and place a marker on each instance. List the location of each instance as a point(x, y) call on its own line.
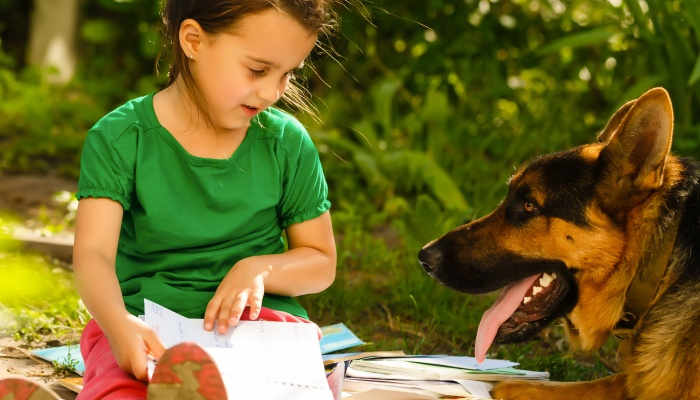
point(560, 242)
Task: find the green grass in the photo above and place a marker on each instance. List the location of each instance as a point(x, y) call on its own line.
point(380, 292)
point(38, 302)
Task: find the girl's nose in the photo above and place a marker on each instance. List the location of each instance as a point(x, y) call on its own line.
point(270, 91)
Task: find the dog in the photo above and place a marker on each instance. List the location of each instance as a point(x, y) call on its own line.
point(604, 236)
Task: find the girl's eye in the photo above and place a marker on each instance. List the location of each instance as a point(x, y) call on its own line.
point(529, 206)
point(257, 72)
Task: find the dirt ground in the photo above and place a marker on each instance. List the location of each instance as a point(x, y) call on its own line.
point(24, 196)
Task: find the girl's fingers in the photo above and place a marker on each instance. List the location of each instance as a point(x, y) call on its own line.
point(224, 314)
point(211, 312)
point(255, 302)
point(153, 344)
point(138, 364)
point(238, 307)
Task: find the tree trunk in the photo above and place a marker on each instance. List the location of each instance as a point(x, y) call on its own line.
point(52, 38)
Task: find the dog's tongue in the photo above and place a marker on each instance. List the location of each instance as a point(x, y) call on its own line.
point(498, 313)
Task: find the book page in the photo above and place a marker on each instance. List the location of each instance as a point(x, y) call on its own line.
point(257, 359)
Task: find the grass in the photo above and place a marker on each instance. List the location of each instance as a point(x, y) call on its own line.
point(38, 302)
point(380, 292)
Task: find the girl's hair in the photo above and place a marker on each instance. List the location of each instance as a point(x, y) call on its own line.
point(216, 16)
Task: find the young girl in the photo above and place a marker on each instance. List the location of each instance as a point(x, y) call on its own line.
point(185, 193)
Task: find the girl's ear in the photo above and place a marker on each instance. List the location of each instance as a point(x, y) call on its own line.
point(191, 37)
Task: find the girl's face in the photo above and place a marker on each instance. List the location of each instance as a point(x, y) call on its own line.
point(242, 72)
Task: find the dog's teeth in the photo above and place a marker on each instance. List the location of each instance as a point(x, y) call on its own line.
point(526, 299)
point(545, 280)
point(535, 290)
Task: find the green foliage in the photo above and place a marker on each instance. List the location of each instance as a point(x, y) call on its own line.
point(42, 126)
point(429, 109)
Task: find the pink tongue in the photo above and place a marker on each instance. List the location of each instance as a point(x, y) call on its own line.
point(498, 313)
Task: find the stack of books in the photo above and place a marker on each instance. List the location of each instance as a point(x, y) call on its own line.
point(398, 376)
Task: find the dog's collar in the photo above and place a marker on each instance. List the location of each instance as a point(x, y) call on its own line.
point(647, 284)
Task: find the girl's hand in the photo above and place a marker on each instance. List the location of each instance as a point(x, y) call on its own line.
point(131, 344)
point(243, 286)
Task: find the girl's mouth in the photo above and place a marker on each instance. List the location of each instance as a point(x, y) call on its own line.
point(250, 111)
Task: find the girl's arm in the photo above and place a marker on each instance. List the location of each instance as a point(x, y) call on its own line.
point(307, 267)
point(309, 264)
point(98, 223)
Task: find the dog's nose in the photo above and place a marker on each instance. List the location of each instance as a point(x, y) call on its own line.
point(430, 258)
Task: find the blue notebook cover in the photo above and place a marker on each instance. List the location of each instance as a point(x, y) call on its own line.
point(337, 337)
point(68, 356)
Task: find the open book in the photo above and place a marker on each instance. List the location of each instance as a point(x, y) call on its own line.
point(256, 359)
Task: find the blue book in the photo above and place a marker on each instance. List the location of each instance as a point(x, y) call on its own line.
point(67, 356)
point(338, 337)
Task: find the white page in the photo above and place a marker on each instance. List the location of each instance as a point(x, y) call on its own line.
point(257, 359)
point(477, 388)
point(461, 362)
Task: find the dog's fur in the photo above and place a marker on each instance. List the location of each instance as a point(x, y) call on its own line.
point(618, 218)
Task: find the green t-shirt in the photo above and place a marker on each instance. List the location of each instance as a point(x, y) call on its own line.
point(187, 219)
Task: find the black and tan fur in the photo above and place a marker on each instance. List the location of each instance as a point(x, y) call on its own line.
point(620, 219)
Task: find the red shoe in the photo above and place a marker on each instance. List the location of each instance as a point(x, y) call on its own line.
point(186, 372)
point(18, 388)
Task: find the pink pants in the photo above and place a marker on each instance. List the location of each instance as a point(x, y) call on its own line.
point(104, 379)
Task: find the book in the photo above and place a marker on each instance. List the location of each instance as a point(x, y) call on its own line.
point(335, 337)
point(399, 368)
point(338, 337)
point(65, 356)
point(73, 384)
point(256, 359)
point(431, 389)
point(329, 359)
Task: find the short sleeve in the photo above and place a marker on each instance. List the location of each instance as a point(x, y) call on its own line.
point(305, 191)
point(107, 164)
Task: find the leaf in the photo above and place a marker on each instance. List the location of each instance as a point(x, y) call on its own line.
point(581, 39)
point(415, 170)
point(383, 99)
point(436, 108)
point(695, 75)
point(99, 31)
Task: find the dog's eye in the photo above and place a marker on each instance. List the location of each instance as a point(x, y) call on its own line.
point(529, 206)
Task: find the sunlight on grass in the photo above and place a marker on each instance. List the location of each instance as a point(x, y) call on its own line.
point(38, 301)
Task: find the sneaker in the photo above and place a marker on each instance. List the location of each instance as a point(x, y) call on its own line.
point(185, 372)
point(17, 388)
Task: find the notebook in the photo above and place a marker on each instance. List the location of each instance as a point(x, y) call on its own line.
point(257, 359)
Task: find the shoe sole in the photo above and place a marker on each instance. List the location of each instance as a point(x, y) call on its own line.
point(17, 388)
point(186, 372)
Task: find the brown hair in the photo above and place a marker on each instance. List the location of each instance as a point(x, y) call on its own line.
point(216, 16)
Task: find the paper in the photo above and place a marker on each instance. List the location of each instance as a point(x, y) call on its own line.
point(399, 368)
point(431, 388)
point(381, 394)
point(461, 362)
point(256, 359)
point(477, 388)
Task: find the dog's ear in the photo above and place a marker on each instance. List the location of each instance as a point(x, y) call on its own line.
point(614, 122)
point(636, 152)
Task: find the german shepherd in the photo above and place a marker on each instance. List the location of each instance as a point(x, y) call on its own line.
point(603, 236)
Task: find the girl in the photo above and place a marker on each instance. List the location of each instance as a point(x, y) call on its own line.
point(185, 193)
